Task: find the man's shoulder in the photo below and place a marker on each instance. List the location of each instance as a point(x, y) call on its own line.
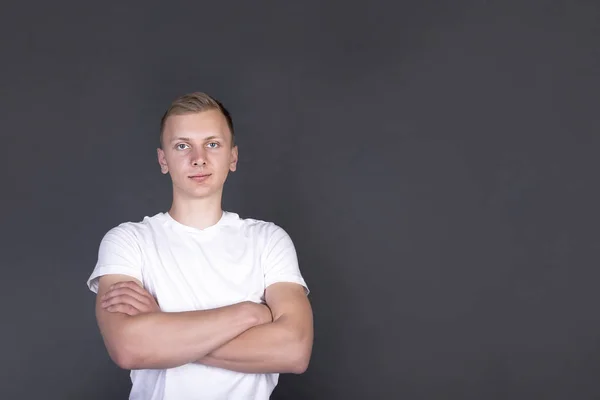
point(258, 227)
point(136, 228)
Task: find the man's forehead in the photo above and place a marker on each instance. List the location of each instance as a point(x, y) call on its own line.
point(209, 117)
point(200, 126)
point(190, 125)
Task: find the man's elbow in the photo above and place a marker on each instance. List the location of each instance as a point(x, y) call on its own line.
point(299, 366)
point(122, 359)
point(300, 356)
point(125, 348)
point(125, 356)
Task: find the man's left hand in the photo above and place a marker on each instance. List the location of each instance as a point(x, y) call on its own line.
point(129, 298)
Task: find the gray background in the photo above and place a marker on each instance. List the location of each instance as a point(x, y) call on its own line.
point(435, 163)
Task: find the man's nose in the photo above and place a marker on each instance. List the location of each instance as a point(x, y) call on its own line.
point(199, 157)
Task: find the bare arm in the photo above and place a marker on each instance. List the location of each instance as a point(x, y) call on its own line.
point(165, 340)
point(285, 345)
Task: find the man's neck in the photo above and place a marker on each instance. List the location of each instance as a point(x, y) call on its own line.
point(197, 213)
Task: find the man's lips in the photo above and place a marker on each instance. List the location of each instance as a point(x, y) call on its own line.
point(199, 177)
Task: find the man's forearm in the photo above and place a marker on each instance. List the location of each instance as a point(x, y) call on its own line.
point(166, 340)
point(277, 347)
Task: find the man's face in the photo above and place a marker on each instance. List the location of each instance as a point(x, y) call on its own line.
point(197, 153)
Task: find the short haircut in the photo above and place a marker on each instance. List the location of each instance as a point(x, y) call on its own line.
point(195, 103)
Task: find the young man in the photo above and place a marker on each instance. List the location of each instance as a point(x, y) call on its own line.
point(197, 302)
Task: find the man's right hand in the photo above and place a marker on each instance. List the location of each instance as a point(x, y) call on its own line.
point(262, 312)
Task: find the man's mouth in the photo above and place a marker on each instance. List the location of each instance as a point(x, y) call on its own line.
point(199, 177)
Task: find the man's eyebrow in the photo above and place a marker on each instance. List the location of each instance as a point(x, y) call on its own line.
point(186, 139)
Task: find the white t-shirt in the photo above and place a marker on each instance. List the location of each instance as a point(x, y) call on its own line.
point(187, 269)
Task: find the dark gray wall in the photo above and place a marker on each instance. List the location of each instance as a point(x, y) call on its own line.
point(435, 164)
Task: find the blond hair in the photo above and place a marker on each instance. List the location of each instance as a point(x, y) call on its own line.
point(194, 103)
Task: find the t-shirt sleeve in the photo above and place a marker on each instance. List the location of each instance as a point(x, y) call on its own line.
point(281, 261)
point(119, 253)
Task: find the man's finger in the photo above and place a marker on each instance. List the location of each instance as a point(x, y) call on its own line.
point(125, 291)
point(127, 300)
point(131, 285)
point(124, 309)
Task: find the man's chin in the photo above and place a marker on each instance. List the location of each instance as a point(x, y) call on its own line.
point(193, 190)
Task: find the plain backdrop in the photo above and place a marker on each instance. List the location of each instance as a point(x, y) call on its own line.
point(435, 163)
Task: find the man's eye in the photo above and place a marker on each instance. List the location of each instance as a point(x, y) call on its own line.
point(213, 145)
point(181, 146)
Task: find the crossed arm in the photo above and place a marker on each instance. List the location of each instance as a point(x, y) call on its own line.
point(245, 337)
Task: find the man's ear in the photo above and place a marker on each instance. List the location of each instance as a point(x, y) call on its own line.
point(162, 161)
point(233, 159)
